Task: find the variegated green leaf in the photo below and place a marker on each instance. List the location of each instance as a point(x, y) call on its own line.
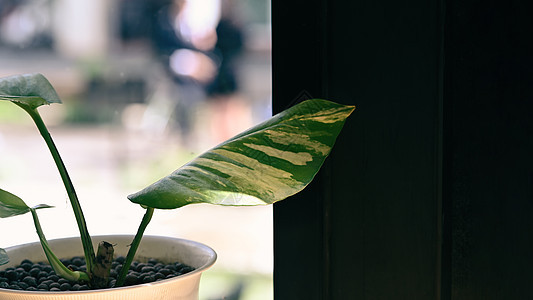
point(262, 165)
point(11, 205)
point(31, 90)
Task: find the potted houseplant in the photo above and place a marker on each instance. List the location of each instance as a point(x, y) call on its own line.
point(262, 165)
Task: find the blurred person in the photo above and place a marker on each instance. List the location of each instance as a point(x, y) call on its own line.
point(182, 38)
point(198, 42)
point(228, 47)
point(231, 114)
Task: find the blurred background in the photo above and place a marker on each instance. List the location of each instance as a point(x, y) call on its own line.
point(146, 85)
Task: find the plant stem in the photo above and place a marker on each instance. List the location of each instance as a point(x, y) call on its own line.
point(56, 264)
point(134, 245)
point(102, 267)
point(80, 219)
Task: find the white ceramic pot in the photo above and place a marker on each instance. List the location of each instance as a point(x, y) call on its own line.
point(165, 249)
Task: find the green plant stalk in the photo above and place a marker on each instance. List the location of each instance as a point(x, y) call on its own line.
point(80, 219)
point(134, 246)
point(56, 264)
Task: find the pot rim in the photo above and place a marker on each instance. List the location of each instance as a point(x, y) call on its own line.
point(212, 256)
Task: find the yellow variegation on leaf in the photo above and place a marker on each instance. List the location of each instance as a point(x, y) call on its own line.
point(262, 165)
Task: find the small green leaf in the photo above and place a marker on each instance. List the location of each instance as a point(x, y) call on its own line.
point(11, 205)
point(31, 90)
point(262, 165)
point(39, 206)
point(4, 259)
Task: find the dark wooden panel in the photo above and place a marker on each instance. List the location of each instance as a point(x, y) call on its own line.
point(297, 44)
point(372, 229)
point(489, 94)
point(374, 226)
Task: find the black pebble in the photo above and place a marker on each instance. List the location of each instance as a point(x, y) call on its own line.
point(131, 279)
point(34, 272)
point(26, 266)
point(47, 268)
point(148, 278)
point(22, 285)
point(147, 269)
point(29, 280)
point(40, 276)
point(54, 285)
point(11, 275)
point(165, 271)
point(78, 261)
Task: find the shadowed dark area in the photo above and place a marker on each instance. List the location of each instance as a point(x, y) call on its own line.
point(428, 194)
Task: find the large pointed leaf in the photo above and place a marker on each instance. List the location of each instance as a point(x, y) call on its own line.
point(262, 165)
point(32, 90)
point(11, 205)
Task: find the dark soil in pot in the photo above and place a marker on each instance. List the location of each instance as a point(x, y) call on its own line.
point(31, 276)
